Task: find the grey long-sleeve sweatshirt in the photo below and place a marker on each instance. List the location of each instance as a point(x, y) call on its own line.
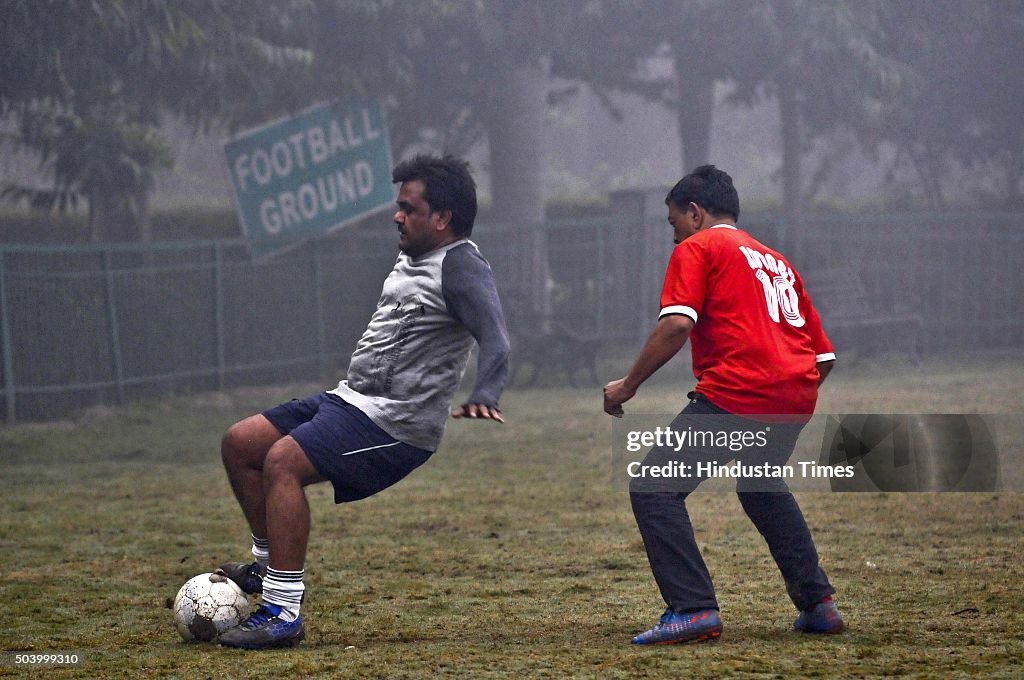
point(408, 364)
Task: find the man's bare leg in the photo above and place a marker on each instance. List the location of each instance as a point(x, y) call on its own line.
point(244, 450)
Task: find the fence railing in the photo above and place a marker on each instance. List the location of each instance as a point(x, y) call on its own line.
point(82, 325)
point(85, 325)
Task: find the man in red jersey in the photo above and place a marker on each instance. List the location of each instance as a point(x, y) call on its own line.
point(759, 355)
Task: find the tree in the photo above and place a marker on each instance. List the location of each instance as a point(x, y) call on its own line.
point(452, 72)
point(705, 41)
point(87, 82)
point(482, 74)
point(823, 64)
point(462, 72)
point(963, 101)
point(103, 158)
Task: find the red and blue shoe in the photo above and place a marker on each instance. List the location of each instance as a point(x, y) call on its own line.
point(822, 618)
point(690, 627)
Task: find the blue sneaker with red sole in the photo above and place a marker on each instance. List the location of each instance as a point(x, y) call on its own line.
point(675, 628)
point(823, 619)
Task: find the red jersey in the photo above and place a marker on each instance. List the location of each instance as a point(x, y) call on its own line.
point(756, 339)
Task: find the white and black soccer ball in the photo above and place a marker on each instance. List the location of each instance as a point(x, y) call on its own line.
point(207, 605)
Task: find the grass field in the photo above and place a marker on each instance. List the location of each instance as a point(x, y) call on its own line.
point(508, 555)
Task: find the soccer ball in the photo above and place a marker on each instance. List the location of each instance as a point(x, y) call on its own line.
point(207, 605)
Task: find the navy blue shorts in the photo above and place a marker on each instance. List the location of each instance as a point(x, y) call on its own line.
point(345, 446)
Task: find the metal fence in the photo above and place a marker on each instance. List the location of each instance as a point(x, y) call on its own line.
point(108, 324)
point(88, 325)
point(960, 271)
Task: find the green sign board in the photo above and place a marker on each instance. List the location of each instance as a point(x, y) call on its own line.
point(309, 174)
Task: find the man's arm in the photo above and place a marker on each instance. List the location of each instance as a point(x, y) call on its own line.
point(472, 297)
point(665, 341)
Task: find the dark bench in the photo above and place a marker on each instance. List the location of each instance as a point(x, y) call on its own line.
point(856, 322)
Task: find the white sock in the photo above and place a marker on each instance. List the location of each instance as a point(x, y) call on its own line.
point(284, 589)
point(261, 550)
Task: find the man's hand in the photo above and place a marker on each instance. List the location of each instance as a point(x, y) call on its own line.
point(615, 395)
point(479, 411)
point(667, 338)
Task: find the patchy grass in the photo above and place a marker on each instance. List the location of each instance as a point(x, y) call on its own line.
point(507, 555)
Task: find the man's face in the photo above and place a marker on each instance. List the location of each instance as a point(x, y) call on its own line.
point(684, 221)
point(420, 230)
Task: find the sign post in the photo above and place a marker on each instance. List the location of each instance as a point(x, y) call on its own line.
point(307, 175)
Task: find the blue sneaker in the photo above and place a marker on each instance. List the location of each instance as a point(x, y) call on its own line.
point(691, 627)
point(248, 577)
point(823, 617)
point(263, 629)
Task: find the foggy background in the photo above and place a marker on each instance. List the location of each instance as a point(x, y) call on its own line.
point(876, 143)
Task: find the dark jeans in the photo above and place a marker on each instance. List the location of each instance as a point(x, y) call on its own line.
point(661, 515)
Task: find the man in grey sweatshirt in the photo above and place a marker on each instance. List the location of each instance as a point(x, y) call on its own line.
point(387, 417)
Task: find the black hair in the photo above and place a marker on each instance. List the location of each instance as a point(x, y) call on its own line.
point(708, 187)
point(447, 185)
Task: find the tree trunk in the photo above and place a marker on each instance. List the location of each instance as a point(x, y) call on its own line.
point(791, 133)
point(696, 90)
point(1014, 175)
point(111, 221)
point(141, 210)
point(108, 222)
point(513, 128)
point(792, 167)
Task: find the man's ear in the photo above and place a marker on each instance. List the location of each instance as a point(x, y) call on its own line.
point(444, 219)
point(698, 214)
